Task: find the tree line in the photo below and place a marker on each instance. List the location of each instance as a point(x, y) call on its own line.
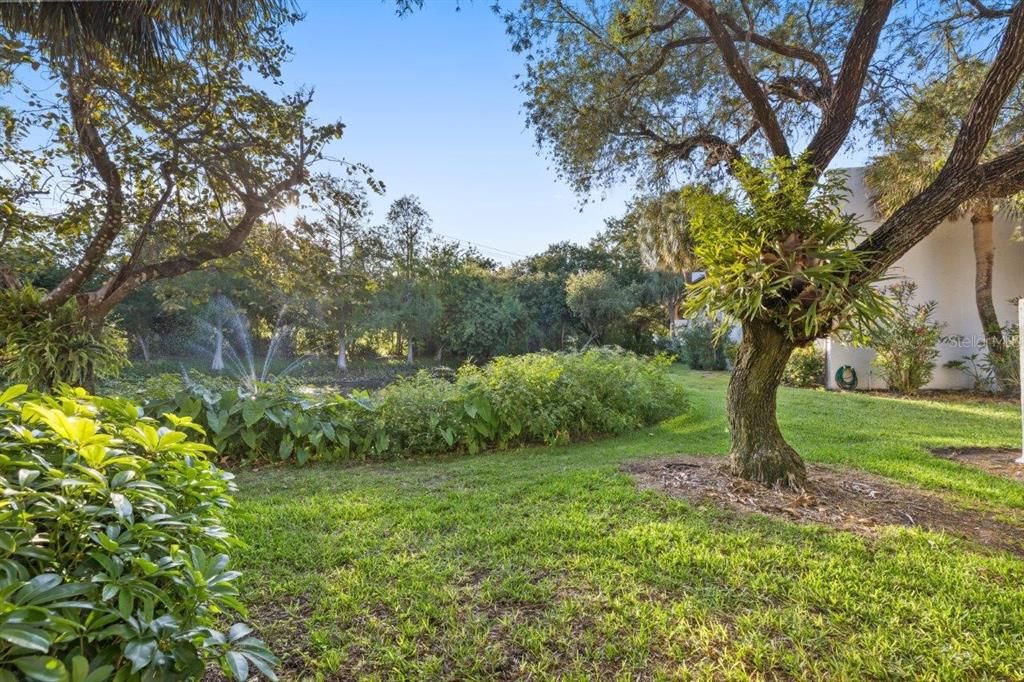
point(347, 285)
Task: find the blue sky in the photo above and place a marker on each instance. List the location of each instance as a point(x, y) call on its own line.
point(430, 104)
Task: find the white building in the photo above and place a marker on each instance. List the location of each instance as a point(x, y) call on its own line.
point(942, 265)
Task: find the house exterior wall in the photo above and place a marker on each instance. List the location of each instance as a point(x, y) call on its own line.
point(942, 265)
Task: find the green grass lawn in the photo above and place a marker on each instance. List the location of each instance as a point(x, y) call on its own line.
point(548, 562)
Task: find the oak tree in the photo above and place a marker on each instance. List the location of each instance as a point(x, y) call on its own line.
point(670, 90)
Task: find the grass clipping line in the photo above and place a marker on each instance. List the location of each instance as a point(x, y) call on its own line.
point(844, 499)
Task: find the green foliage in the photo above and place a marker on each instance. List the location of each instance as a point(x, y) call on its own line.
point(698, 347)
point(276, 423)
point(45, 347)
point(919, 135)
point(905, 341)
point(1007, 364)
point(483, 317)
point(598, 301)
point(779, 251)
point(806, 367)
point(984, 367)
point(537, 398)
point(113, 558)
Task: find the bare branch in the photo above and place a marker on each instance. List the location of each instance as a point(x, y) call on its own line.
point(986, 12)
point(794, 51)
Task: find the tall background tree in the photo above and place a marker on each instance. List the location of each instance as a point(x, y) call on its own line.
point(917, 139)
point(350, 251)
point(140, 144)
point(406, 233)
point(666, 90)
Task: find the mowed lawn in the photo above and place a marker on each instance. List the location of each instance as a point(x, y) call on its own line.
point(549, 563)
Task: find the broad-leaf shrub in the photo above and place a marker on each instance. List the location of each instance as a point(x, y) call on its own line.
point(536, 398)
point(906, 340)
point(279, 422)
point(113, 556)
point(806, 367)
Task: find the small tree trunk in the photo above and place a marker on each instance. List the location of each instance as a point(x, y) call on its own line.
point(759, 452)
point(342, 356)
point(218, 352)
point(984, 258)
point(143, 346)
point(342, 343)
point(408, 358)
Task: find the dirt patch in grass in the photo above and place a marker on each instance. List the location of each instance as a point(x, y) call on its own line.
point(281, 624)
point(845, 499)
point(998, 461)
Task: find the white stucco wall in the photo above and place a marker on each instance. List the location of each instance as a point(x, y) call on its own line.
point(942, 265)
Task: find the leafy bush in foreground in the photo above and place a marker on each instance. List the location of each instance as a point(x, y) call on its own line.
point(537, 398)
point(112, 549)
point(805, 368)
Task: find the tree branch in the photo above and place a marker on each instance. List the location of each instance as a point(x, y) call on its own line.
point(961, 177)
point(113, 219)
point(102, 301)
point(747, 83)
point(986, 12)
point(840, 111)
point(145, 231)
point(800, 89)
point(778, 47)
point(719, 149)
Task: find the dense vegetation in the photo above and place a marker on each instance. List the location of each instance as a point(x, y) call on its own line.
point(537, 398)
point(113, 552)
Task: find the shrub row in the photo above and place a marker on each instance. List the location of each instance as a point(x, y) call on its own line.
point(113, 556)
point(537, 398)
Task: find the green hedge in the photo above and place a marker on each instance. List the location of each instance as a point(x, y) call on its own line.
point(113, 556)
point(518, 400)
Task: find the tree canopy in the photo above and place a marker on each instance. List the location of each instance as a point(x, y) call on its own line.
point(147, 172)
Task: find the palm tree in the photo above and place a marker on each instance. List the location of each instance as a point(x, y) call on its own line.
point(666, 245)
point(919, 139)
point(135, 30)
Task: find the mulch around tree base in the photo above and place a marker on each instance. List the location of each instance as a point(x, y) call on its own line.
point(998, 461)
point(845, 499)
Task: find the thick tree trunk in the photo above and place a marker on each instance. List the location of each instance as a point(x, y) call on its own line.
point(984, 258)
point(409, 358)
point(759, 452)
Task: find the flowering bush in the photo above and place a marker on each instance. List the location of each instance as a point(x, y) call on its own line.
point(905, 341)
